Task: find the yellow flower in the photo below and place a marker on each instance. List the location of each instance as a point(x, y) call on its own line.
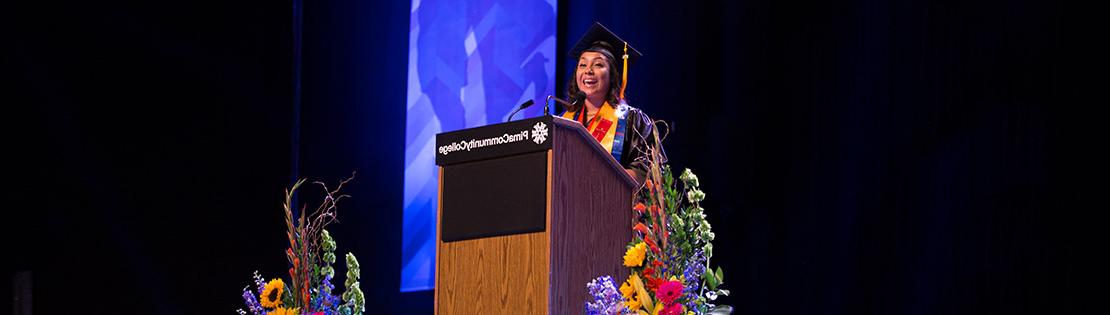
point(271, 294)
point(634, 257)
point(658, 308)
point(633, 303)
point(627, 290)
point(641, 294)
point(284, 311)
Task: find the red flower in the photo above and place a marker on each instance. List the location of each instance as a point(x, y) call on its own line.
point(669, 292)
point(648, 272)
point(656, 263)
point(654, 284)
point(640, 227)
point(639, 207)
point(651, 244)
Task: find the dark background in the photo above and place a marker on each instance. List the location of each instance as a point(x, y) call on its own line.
point(859, 157)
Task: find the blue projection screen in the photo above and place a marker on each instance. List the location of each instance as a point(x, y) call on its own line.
point(470, 64)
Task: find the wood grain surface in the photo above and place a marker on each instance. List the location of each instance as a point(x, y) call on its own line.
point(592, 218)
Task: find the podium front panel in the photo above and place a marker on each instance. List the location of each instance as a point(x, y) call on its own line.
point(500, 196)
point(494, 254)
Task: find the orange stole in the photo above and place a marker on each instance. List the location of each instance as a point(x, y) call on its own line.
point(602, 126)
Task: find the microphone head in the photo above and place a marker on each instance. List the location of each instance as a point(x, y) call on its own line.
point(526, 104)
point(577, 97)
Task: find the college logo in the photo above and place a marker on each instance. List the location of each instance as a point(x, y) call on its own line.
point(539, 132)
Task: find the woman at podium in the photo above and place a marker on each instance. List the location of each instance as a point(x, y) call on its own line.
point(596, 93)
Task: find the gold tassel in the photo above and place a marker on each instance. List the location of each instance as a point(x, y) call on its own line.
point(624, 71)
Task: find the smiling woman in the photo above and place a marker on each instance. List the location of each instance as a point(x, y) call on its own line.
point(597, 95)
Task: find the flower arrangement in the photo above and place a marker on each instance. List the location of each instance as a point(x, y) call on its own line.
point(668, 256)
point(311, 253)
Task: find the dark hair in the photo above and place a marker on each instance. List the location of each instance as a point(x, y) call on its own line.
point(576, 97)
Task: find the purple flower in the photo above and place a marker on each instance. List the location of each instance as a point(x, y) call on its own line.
point(324, 300)
point(607, 300)
point(259, 282)
point(695, 268)
point(693, 272)
point(252, 302)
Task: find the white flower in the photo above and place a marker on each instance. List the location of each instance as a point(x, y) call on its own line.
point(695, 195)
point(689, 178)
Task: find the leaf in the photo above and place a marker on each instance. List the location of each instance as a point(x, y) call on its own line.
point(720, 275)
point(710, 279)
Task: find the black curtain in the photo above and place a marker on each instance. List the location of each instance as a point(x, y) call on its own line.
point(862, 157)
point(148, 146)
point(868, 157)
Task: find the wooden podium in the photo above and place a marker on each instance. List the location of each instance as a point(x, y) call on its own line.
point(529, 212)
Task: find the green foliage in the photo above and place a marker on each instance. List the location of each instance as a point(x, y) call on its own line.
point(689, 228)
point(355, 301)
point(327, 245)
point(287, 297)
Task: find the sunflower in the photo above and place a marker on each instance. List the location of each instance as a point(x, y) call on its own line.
point(627, 289)
point(284, 311)
point(271, 294)
point(633, 304)
point(634, 257)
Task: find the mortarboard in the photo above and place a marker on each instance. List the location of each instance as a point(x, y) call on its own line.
point(600, 36)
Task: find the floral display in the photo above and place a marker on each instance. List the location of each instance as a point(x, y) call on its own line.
point(668, 256)
point(311, 255)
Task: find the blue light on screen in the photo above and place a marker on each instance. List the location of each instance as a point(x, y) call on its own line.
point(470, 64)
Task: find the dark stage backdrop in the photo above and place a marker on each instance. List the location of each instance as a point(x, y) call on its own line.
point(146, 149)
point(859, 157)
point(862, 157)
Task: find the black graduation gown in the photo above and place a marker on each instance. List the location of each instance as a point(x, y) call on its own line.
point(637, 139)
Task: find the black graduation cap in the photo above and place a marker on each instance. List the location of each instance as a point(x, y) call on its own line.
point(598, 34)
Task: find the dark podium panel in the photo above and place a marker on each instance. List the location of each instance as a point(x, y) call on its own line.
point(529, 211)
point(493, 197)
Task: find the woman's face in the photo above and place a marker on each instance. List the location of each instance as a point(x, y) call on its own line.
point(592, 75)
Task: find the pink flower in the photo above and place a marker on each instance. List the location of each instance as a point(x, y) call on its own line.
point(673, 309)
point(669, 292)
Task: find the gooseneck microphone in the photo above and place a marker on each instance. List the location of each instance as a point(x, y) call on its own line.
point(522, 106)
point(561, 101)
